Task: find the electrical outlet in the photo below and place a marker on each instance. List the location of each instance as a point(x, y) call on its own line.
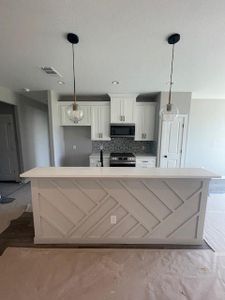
point(74, 147)
point(113, 219)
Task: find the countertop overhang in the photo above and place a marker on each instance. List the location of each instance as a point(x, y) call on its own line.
point(123, 172)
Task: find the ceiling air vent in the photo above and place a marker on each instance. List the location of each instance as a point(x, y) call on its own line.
point(51, 71)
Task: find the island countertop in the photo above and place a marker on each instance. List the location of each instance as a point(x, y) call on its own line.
point(119, 172)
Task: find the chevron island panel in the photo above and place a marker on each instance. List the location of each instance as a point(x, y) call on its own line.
point(167, 211)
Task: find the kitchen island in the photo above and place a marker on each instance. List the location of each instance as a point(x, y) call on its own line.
point(119, 205)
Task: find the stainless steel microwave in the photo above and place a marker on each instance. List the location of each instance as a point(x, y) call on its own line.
point(122, 130)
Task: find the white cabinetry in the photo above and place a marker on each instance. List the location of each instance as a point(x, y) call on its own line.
point(145, 161)
point(123, 108)
point(65, 121)
point(95, 160)
point(100, 121)
point(145, 121)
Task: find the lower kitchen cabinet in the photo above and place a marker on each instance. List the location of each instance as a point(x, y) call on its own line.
point(100, 121)
point(145, 121)
point(145, 161)
point(94, 160)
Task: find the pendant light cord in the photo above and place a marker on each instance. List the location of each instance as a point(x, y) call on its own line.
point(171, 73)
point(74, 84)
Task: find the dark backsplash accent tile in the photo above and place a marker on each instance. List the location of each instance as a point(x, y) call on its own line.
point(125, 145)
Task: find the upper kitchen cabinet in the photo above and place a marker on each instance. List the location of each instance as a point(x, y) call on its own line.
point(65, 121)
point(145, 121)
point(123, 108)
point(100, 121)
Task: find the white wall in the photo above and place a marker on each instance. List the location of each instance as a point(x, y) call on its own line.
point(206, 140)
point(81, 137)
point(181, 99)
point(57, 148)
point(7, 96)
point(34, 135)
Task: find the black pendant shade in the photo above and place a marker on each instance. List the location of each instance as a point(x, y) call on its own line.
point(73, 38)
point(173, 38)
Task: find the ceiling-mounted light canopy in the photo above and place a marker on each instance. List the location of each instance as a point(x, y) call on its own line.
point(169, 112)
point(73, 111)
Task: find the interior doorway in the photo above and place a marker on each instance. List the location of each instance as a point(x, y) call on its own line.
point(9, 158)
point(173, 142)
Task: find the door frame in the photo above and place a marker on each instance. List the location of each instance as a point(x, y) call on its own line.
point(184, 140)
point(16, 140)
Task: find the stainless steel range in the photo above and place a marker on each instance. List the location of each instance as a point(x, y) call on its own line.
point(122, 160)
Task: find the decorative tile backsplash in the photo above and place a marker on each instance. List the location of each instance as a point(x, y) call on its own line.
point(124, 145)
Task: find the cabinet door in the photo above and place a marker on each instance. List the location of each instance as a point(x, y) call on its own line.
point(104, 122)
point(128, 109)
point(86, 121)
point(116, 111)
point(87, 115)
point(100, 122)
point(145, 121)
point(145, 162)
point(95, 122)
point(123, 109)
point(95, 161)
point(149, 121)
point(139, 122)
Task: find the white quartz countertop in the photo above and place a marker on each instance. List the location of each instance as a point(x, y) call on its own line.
point(120, 172)
point(98, 154)
point(136, 154)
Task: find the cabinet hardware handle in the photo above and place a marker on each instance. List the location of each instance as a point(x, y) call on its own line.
point(121, 118)
point(165, 156)
point(124, 118)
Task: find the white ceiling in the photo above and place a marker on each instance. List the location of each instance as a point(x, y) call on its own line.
point(120, 40)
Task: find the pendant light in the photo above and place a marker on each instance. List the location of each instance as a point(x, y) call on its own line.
point(73, 111)
point(169, 112)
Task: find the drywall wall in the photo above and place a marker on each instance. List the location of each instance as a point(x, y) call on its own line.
point(206, 139)
point(80, 137)
point(7, 96)
point(181, 99)
point(57, 148)
point(34, 135)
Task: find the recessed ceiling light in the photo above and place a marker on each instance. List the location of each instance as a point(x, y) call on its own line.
point(26, 90)
point(61, 82)
point(115, 82)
